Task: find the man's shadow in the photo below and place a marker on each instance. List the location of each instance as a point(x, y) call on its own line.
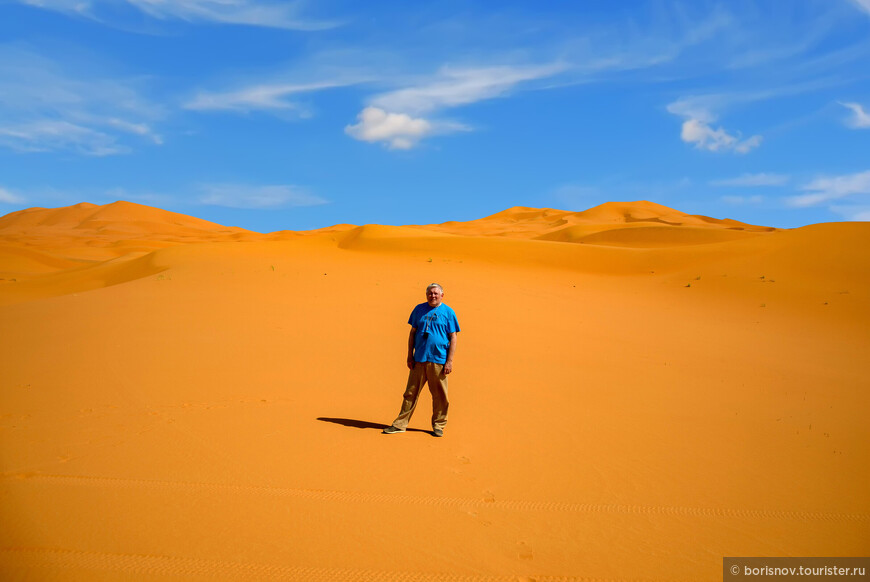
point(362, 424)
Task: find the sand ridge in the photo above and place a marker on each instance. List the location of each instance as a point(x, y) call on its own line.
point(563, 225)
point(638, 392)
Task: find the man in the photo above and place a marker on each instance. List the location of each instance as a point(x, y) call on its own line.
point(431, 346)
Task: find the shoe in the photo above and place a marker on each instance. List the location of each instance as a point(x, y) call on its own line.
point(438, 432)
point(392, 430)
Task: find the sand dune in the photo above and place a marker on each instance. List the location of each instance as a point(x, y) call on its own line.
point(547, 223)
point(638, 392)
point(119, 216)
point(89, 232)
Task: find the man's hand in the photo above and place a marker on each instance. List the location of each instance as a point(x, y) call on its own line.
point(451, 349)
point(410, 362)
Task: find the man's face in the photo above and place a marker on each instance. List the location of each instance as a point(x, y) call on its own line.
point(434, 296)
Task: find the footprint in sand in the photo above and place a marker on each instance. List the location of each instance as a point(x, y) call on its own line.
point(524, 552)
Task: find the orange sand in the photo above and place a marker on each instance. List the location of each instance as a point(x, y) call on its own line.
point(637, 393)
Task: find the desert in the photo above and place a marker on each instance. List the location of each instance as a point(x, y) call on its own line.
point(637, 393)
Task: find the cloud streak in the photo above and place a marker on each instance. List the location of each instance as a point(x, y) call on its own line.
point(396, 117)
point(453, 87)
point(863, 5)
point(55, 135)
point(857, 213)
point(44, 109)
point(262, 97)
point(7, 197)
point(284, 15)
point(860, 119)
point(828, 189)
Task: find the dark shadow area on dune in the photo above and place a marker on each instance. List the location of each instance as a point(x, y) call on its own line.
point(362, 424)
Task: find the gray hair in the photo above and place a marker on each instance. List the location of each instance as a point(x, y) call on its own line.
point(435, 285)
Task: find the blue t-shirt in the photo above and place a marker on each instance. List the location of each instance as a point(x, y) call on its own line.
point(434, 326)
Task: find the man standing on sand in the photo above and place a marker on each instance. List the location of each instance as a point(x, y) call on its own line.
point(431, 345)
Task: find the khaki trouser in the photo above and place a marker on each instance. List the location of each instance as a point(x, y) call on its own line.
point(422, 373)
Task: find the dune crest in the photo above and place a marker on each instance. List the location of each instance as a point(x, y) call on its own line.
point(568, 226)
point(92, 217)
point(88, 232)
point(615, 237)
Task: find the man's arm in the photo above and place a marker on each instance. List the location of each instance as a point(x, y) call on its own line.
point(411, 347)
point(448, 366)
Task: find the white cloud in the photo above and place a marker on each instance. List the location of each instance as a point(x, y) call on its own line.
point(697, 128)
point(398, 130)
point(395, 117)
point(452, 87)
point(7, 197)
point(703, 136)
point(860, 119)
point(251, 196)
point(43, 108)
point(241, 12)
point(823, 190)
point(706, 137)
point(753, 180)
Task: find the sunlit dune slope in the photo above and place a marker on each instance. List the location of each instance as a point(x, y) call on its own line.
point(636, 394)
point(89, 232)
point(114, 218)
point(566, 226)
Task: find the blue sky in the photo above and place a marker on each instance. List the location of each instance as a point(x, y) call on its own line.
point(298, 115)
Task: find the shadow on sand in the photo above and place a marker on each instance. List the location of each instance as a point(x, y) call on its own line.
point(362, 424)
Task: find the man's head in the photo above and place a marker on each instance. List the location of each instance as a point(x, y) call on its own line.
point(434, 294)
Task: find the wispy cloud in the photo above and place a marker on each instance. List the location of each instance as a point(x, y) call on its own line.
point(8, 197)
point(52, 135)
point(255, 196)
point(857, 213)
point(860, 119)
point(452, 87)
point(753, 180)
point(706, 137)
point(824, 190)
point(43, 108)
point(286, 15)
point(396, 117)
point(261, 97)
point(863, 5)
point(698, 127)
